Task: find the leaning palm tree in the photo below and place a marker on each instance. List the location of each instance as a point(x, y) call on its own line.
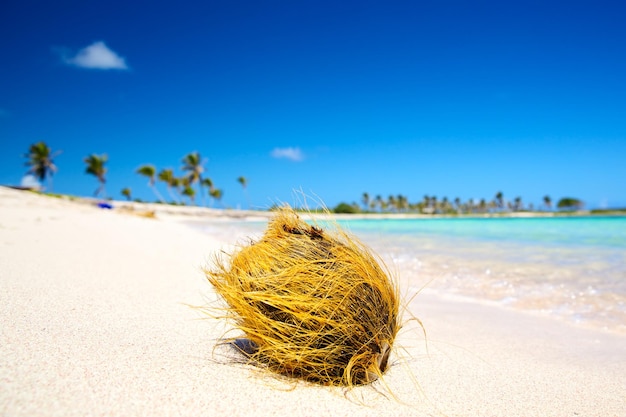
point(244, 183)
point(126, 193)
point(95, 166)
point(188, 191)
point(178, 186)
point(194, 165)
point(217, 194)
point(167, 176)
point(208, 183)
point(150, 172)
point(40, 161)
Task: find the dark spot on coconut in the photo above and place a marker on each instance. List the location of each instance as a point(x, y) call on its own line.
point(316, 233)
point(311, 231)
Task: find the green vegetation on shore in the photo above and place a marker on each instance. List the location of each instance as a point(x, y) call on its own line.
point(432, 205)
point(609, 212)
point(42, 167)
point(40, 161)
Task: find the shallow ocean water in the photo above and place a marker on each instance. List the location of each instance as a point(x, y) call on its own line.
point(571, 268)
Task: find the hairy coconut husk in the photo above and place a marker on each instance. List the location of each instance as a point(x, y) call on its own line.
point(312, 304)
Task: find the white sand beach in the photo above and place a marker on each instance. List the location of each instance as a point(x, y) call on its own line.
point(95, 321)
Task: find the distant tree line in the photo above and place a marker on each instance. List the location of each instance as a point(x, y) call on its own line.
point(40, 161)
point(431, 204)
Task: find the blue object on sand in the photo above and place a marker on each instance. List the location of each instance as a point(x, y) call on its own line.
point(105, 205)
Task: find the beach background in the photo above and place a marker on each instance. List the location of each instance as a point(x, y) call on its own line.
point(474, 143)
point(96, 319)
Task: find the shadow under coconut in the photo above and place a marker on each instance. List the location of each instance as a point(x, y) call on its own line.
point(245, 346)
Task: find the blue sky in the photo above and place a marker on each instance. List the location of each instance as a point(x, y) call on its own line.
point(334, 98)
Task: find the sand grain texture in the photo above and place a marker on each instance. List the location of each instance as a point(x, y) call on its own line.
point(93, 322)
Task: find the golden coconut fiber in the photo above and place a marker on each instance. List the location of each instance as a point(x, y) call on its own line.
point(312, 304)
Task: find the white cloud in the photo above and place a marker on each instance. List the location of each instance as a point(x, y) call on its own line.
point(294, 154)
point(97, 56)
point(29, 181)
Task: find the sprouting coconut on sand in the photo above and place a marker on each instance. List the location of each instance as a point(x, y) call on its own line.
point(311, 303)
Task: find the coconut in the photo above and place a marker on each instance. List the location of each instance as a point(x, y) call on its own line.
point(310, 303)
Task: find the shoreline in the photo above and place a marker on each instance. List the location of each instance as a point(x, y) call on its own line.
point(204, 212)
point(95, 321)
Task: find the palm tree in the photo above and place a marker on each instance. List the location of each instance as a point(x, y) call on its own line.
point(193, 164)
point(547, 201)
point(178, 185)
point(208, 183)
point(445, 205)
point(40, 161)
point(126, 193)
point(392, 202)
point(457, 204)
point(435, 204)
point(191, 193)
point(217, 194)
point(167, 176)
point(379, 202)
point(482, 205)
point(244, 183)
point(150, 172)
point(499, 200)
point(95, 166)
point(402, 202)
point(471, 205)
point(366, 200)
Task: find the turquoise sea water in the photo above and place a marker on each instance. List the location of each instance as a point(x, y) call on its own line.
point(571, 269)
